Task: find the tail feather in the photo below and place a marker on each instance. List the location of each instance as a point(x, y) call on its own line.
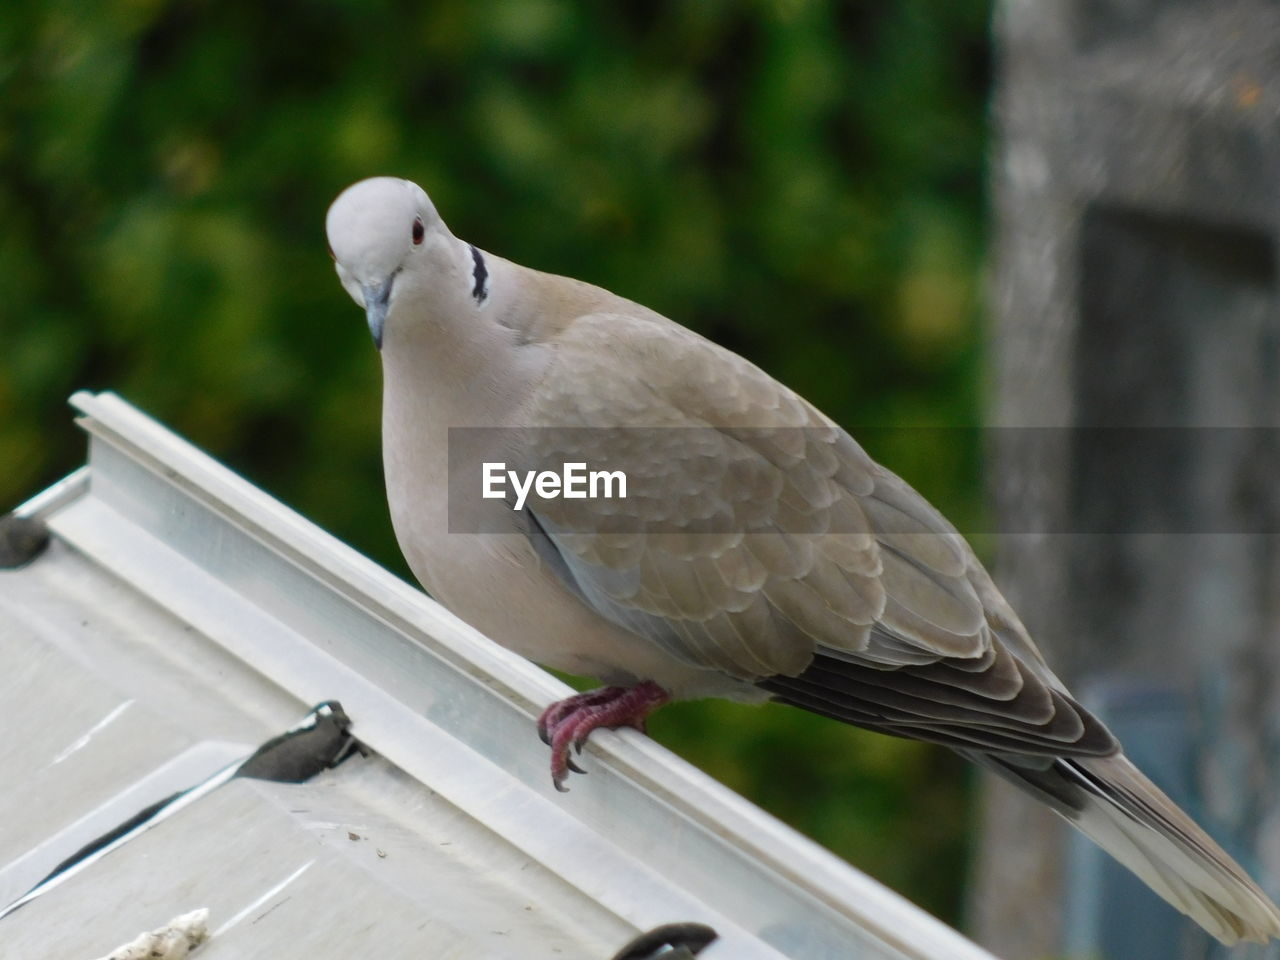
point(1127, 815)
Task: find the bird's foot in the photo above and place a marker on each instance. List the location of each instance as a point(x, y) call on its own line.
point(566, 724)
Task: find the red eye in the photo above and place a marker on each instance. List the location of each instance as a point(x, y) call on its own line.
point(418, 231)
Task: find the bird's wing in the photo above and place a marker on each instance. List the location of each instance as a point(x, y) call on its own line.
point(759, 539)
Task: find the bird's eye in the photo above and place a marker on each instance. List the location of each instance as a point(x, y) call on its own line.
point(332, 256)
point(418, 231)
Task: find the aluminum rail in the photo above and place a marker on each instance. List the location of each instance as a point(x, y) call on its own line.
point(646, 836)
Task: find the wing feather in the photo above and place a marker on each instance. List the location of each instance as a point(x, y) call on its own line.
point(760, 540)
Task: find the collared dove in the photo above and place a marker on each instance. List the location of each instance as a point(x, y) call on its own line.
point(833, 585)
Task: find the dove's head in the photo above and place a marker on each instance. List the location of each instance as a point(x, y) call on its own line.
point(390, 247)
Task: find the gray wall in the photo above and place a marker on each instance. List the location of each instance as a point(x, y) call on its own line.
point(1136, 183)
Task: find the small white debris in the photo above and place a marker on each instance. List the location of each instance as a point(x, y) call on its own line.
point(175, 940)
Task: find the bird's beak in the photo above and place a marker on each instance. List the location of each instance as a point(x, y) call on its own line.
point(377, 298)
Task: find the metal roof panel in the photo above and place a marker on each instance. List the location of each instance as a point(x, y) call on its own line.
point(181, 615)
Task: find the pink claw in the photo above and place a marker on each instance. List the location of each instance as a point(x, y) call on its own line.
point(566, 724)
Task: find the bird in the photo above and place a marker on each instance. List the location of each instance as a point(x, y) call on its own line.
point(760, 554)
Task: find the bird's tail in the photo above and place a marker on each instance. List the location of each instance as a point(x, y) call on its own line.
point(1112, 802)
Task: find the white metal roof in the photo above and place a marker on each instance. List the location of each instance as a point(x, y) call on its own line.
point(180, 617)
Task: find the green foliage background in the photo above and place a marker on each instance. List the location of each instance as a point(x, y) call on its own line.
point(801, 180)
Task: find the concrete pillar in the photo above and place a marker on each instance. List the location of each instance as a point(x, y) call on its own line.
point(1136, 471)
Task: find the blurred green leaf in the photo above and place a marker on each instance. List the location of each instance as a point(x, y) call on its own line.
point(801, 180)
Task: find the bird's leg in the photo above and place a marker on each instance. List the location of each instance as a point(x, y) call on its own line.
point(561, 709)
point(566, 724)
